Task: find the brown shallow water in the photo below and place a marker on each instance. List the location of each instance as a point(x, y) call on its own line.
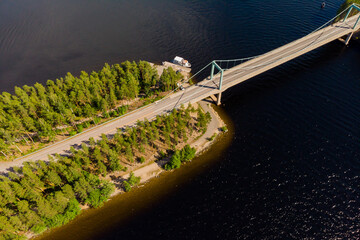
point(125, 207)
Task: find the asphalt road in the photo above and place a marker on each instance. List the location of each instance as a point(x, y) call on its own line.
point(199, 91)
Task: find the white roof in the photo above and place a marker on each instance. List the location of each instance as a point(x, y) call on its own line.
point(179, 59)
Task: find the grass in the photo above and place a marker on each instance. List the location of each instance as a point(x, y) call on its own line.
point(212, 137)
point(224, 129)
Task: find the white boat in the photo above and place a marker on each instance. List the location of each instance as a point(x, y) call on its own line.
point(182, 62)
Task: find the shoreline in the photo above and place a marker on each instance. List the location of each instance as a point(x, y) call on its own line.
point(153, 169)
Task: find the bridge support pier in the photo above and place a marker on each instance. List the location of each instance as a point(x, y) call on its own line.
point(218, 102)
point(348, 38)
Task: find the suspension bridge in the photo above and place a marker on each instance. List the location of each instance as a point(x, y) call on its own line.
point(246, 68)
point(223, 75)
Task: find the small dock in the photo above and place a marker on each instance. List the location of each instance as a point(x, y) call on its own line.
point(183, 70)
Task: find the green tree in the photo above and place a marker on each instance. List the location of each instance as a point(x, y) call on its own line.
point(23, 206)
point(187, 153)
point(72, 210)
point(132, 181)
point(53, 179)
point(68, 191)
point(175, 161)
point(45, 209)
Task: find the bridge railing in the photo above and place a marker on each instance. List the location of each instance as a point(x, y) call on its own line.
point(220, 66)
point(225, 64)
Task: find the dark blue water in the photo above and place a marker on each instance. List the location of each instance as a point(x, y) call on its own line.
point(292, 169)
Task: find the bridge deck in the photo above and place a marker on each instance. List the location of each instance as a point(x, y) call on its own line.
point(281, 55)
point(201, 90)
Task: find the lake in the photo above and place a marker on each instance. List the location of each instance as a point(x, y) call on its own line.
point(289, 170)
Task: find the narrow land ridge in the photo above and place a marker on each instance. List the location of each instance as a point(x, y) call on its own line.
point(203, 89)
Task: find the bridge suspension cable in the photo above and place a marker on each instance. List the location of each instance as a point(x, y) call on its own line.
point(242, 60)
point(188, 80)
point(314, 41)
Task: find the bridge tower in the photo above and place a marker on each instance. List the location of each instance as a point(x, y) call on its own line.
point(213, 66)
point(348, 38)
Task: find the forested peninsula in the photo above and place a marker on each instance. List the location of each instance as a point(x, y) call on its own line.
point(45, 194)
point(38, 115)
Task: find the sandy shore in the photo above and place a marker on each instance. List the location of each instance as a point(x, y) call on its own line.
point(201, 144)
point(153, 169)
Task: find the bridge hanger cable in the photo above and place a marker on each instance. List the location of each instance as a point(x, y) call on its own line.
point(320, 35)
point(250, 58)
point(200, 87)
point(331, 20)
point(187, 80)
point(253, 57)
point(275, 60)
